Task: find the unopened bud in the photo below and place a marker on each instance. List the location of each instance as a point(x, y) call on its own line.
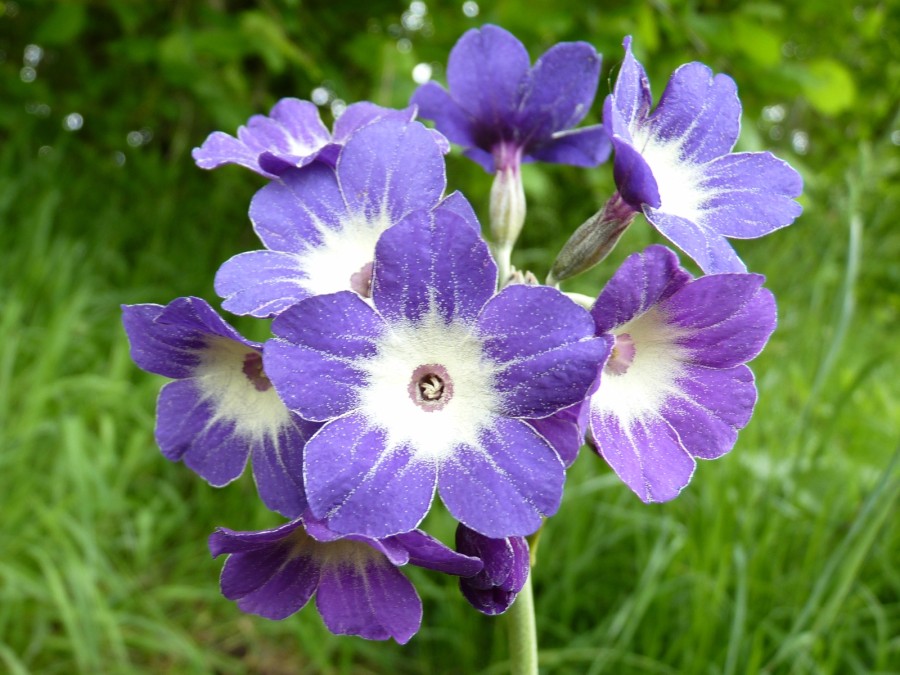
point(593, 241)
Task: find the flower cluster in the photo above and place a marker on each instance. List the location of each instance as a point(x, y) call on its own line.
point(403, 364)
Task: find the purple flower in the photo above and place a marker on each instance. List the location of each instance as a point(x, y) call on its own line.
point(221, 408)
point(675, 164)
point(504, 112)
point(675, 386)
point(506, 565)
point(429, 386)
point(359, 590)
point(291, 136)
point(320, 224)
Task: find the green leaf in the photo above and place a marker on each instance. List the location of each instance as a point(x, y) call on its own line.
point(62, 26)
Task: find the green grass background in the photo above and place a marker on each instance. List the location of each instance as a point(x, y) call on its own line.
point(780, 558)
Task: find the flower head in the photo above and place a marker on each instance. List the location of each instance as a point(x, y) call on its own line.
point(675, 386)
point(505, 112)
point(429, 386)
point(358, 588)
point(320, 225)
point(675, 164)
point(291, 136)
point(221, 408)
point(506, 564)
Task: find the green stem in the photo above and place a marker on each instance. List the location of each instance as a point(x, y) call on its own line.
point(523, 654)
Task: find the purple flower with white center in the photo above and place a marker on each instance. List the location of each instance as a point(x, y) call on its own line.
point(675, 386)
point(292, 136)
point(429, 386)
point(506, 565)
point(221, 408)
point(358, 588)
point(676, 166)
point(505, 112)
point(320, 224)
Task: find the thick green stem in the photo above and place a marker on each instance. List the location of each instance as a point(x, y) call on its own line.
point(523, 652)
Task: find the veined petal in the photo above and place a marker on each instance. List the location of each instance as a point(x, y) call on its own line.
point(457, 203)
point(357, 115)
point(435, 103)
point(559, 92)
point(710, 250)
point(370, 598)
point(390, 168)
point(585, 147)
point(261, 283)
point(700, 111)
point(644, 452)
point(713, 406)
point(750, 194)
point(297, 211)
point(426, 551)
point(363, 485)
point(432, 260)
point(278, 467)
point(504, 484)
point(485, 70)
point(643, 280)
point(631, 94)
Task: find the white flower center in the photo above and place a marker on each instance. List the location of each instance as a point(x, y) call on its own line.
point(231, 378)
point(651, 376)
point(330, 266)
point(679, 180)
point(430, 386)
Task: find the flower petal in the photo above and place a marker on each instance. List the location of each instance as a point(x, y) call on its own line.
point(701, 111)
point(435, 103)
point(484, 72)
point(390, 168)
point(645, 453)
point(372, 600)
point(278, 468)
point(362, 486)
point(643, 280)
point(314, 360)
point(585, 147)
point(432, 259)
point(542, 340)
point(559, 92)
point(631, 95)
point(293, 213)
point(751, 194)
point(426, 551)
point(710, 250)
point(714, 405)
point(506, 484)
point(261, 283)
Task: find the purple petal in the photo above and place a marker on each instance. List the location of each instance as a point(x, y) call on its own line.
point(301, 124)
point(292, 213)
point(543, 340)
point(170, 340)
point(358, 115)
point(506, 566)
point(484, 73)
point(643, 280)
point(559, 92)
point(458, 204)
point(224, 540)
point(710, 250)
point(702, 111)
point(361, 485)
point(278, 468)
point(752, 194)
point(219, 149)
point(645, 453)
point(482, 157)
point(391, 168)
point(586, 147)
point(564, 430)
point(506, 484)
point(714, 405)
point(631, 95)
point(732, 318)
point(374, 601)
point(432, 258)
point(187, 429)
point(497, 556)
point(435, 103)
point(426, 551)
point(634, 179)
point(315, 359)
point(261, 283)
